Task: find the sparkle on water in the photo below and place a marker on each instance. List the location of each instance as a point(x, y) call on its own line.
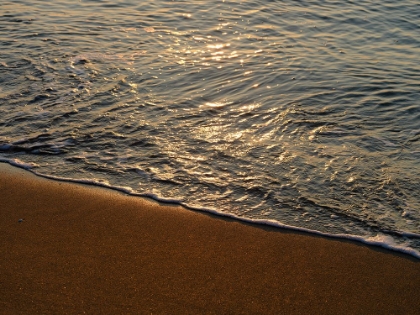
point(302, 112)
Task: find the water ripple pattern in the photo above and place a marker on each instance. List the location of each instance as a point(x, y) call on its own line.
point(302, 112)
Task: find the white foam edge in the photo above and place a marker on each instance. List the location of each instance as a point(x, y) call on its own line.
point(380, 240)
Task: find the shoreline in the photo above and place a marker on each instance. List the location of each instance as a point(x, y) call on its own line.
point(376, 241)
point(90, 249)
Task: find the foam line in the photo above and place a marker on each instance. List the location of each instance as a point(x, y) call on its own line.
point(381, 240)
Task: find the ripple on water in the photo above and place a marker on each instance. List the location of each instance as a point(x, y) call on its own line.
point(302, 113)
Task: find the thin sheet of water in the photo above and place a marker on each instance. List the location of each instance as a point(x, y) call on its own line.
point(304, 113)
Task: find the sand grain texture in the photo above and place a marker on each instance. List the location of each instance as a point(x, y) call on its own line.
point(87, 250)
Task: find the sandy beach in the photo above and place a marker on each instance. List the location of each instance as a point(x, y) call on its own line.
point(76, 249)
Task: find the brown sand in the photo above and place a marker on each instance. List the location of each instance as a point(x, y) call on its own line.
point(82, 249)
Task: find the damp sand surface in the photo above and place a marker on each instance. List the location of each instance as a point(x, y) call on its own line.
point(75, 249)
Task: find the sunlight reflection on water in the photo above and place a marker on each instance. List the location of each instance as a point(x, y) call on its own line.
point(305, 113)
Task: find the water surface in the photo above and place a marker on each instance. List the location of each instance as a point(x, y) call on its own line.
point(305, 113)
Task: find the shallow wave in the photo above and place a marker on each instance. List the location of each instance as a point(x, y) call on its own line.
point(301, 113)
point(380, 239)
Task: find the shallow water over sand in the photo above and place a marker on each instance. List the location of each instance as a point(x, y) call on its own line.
point(305, 113)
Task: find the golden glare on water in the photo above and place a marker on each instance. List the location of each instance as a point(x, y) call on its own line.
point(296, 106)
point(217, 104)
point(217, 46)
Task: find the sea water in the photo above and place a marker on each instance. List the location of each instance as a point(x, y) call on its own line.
point(300, 114)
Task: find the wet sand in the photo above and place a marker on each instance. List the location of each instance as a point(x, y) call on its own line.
point(87, 250)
